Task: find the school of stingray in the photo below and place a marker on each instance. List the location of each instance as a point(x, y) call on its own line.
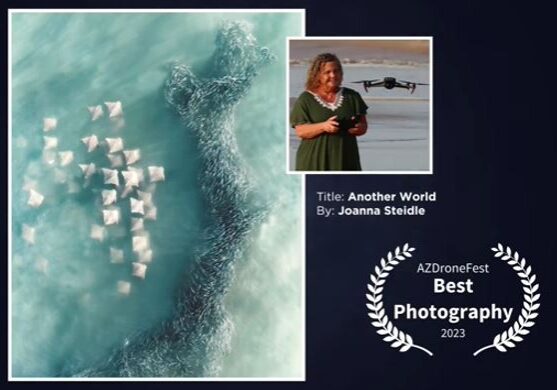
point(122, 182)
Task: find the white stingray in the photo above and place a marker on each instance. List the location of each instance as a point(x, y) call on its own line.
point(35, 198)
point(116, 160)
point(49, 124)
point(114, 144)
point(50, 142)
point(109, 197)
point(139, 270)
point(140, 243)
point(136, 206)
point(49, 157)
point(97, 232)
point(126, 192)
point(111, 216)
point(88, 170)
point(151, 213)
point(124, 287)
point(60, 176)
point(116, 255)
point(65, 157)
point(29, 184)
point(156, 174)
point(131, 178)
point(146, 197)
point(91, 142)
point(110, 176)
point(96, 112)
point(28, 234)
point(139, 172)
point(145, 256)
point(114, 109)
point(136, 224)
point(41, 265)
point(132, 156)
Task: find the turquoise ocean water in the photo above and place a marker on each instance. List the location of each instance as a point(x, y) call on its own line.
point(67, 316)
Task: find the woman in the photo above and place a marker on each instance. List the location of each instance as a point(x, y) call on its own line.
point(328, 118)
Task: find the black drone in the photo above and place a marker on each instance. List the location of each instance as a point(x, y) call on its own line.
point(389, 83)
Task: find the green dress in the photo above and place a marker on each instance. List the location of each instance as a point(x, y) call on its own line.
point(328, 152)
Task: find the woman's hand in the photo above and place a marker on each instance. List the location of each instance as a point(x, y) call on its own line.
point(330, 125)
point(360, 128)
point(312, 130)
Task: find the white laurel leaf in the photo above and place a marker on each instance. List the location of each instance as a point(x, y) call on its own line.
point(500, 247)
point(371, 307)
point(405, 348)
point(405, 247)
point(409, 339)
point(532, 279)
point(527, 290)
point(523, 263)
point(380, 282)
point(374, 279)
point(390, 326)
point(409, 254)
point(379, 305)
point(533, 315)
point(384, 275)
point(402, 336)
point(529, 324)
point(384, 321)
point(378, 271)
point(535, 306)
point(399, 257)
point(516, 326)
point(388, 268)
point(517, 338)
point(395, 332)
point(525, 282)
point(388, 339)
point(523, 331)
point(496, 339)
point(509, 252)
point(521, 318)
point(494, 249)
point(504, 336)
point(394, 262)
point(516, 256)
point(396, 344)
point(373, 316)
point(499, 254)
point(501, 348)
point(383, 263)
point(411, 249)
point(535, 297)
point(370, 297)
point(389, 256)
point(509, 344)
point(377, 324)
point(528, 270)
point(378, 297)
point(506, 257)
point(397, 250)
point(378, 290)
point(381, 312)
point(371, 288)
point(522, 274)
point(382, 331)
point(535, 288)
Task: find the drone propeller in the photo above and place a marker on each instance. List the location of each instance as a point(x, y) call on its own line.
point(411, 82)
point(365, 81)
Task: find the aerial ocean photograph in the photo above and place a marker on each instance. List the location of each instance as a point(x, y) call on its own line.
point(155, 232)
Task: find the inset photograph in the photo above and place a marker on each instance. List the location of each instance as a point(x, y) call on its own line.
point(360, 105)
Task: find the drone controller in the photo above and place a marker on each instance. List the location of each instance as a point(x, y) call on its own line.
point(348, 123)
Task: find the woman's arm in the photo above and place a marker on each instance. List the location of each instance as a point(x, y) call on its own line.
point(312, 130)
point(360, 128)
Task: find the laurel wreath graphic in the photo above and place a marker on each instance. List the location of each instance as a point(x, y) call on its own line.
point(385, 327)
point(513, 335)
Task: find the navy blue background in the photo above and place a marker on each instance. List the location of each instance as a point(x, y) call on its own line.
point(494, 146)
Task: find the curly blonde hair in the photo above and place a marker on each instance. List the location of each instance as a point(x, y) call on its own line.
point(318, 62)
